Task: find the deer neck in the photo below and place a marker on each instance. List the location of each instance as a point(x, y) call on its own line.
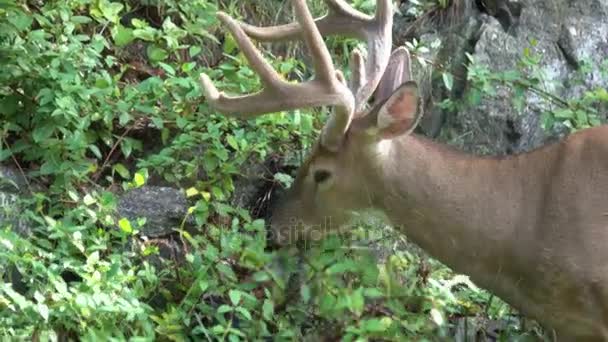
point(468, 212)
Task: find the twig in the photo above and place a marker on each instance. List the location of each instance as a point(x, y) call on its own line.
point(16, 162)
point(112, 150)
point(200, 322)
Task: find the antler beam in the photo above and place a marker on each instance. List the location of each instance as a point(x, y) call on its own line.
point(327, 89)
point(344, 20)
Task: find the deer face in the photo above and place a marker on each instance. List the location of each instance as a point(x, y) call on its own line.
point(330, 185)
point(335, 180)
point(321, 197)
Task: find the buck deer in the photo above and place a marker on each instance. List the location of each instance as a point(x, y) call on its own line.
point(532, 228)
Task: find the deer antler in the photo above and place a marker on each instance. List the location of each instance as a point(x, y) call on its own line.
point(328, 88)
point(344, 20)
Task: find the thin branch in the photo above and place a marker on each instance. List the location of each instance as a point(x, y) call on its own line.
point(112, 150)
point(16, 162)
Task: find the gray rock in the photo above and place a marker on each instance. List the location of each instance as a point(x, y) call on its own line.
point(163, 208)
point(248, 184)
point(12, 186)
point(569, 35)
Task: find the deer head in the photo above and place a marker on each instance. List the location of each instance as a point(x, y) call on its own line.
point(531, 228)
point(327, 188)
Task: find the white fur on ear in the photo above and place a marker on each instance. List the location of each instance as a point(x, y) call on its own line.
point(385, 119)
point(400, 113)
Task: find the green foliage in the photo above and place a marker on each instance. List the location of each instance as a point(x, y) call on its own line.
point(76, 92)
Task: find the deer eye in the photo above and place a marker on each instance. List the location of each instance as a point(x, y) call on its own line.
point(321, 176)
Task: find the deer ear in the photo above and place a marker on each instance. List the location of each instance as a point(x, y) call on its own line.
point(400, 113)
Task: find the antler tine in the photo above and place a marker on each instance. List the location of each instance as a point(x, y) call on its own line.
point(384, 10)
point(241, 106)
point(379, 38)
point(344, 20)
point(323, 65)
point(267, 74)
point(327, 89)
point(357, 68)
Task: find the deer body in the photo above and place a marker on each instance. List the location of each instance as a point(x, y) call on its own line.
point(532, 228)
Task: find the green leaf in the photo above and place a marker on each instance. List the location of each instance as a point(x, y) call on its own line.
point(218, 329)
point(194, 50)
point(110, 10)
point(229, 45)
point(126, 146)
point(147, 33)
point(5, 154)
point(95, 151)
point(37, 35)
point(122, 35)
point(102, 83)
point(89, 200)
point(20, 20)
point(222, 309)
point(122, 171)
point(43, 132)
point(156, 53)
point(187, 67)
point(244, 312)
point(283, 178)
point(10, 104)
point(261, 276)
point(223, 209)
point(268, 309)
point(211, 253)
point(564, 113)
point(327, 303)
point(235, 297)
point(376, 325)
point(356, 301)
point(16, 298)
point(226, 270)
point(511, 75)
point(43, 310)
point(8, 4)
point(80, 19)
point(181, 122)
point(342, 267)
point(305, 293)
point(448, 80)
point(139, 179)
point(437, 317)
point(581, 117)
point(168, 68)
point(93, 259)
point(191, 192)
point(373, 293)
point(474, 97)
point(125, 226)
point(232, 142)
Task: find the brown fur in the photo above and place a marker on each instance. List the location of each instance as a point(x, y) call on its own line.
point(532, 228)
